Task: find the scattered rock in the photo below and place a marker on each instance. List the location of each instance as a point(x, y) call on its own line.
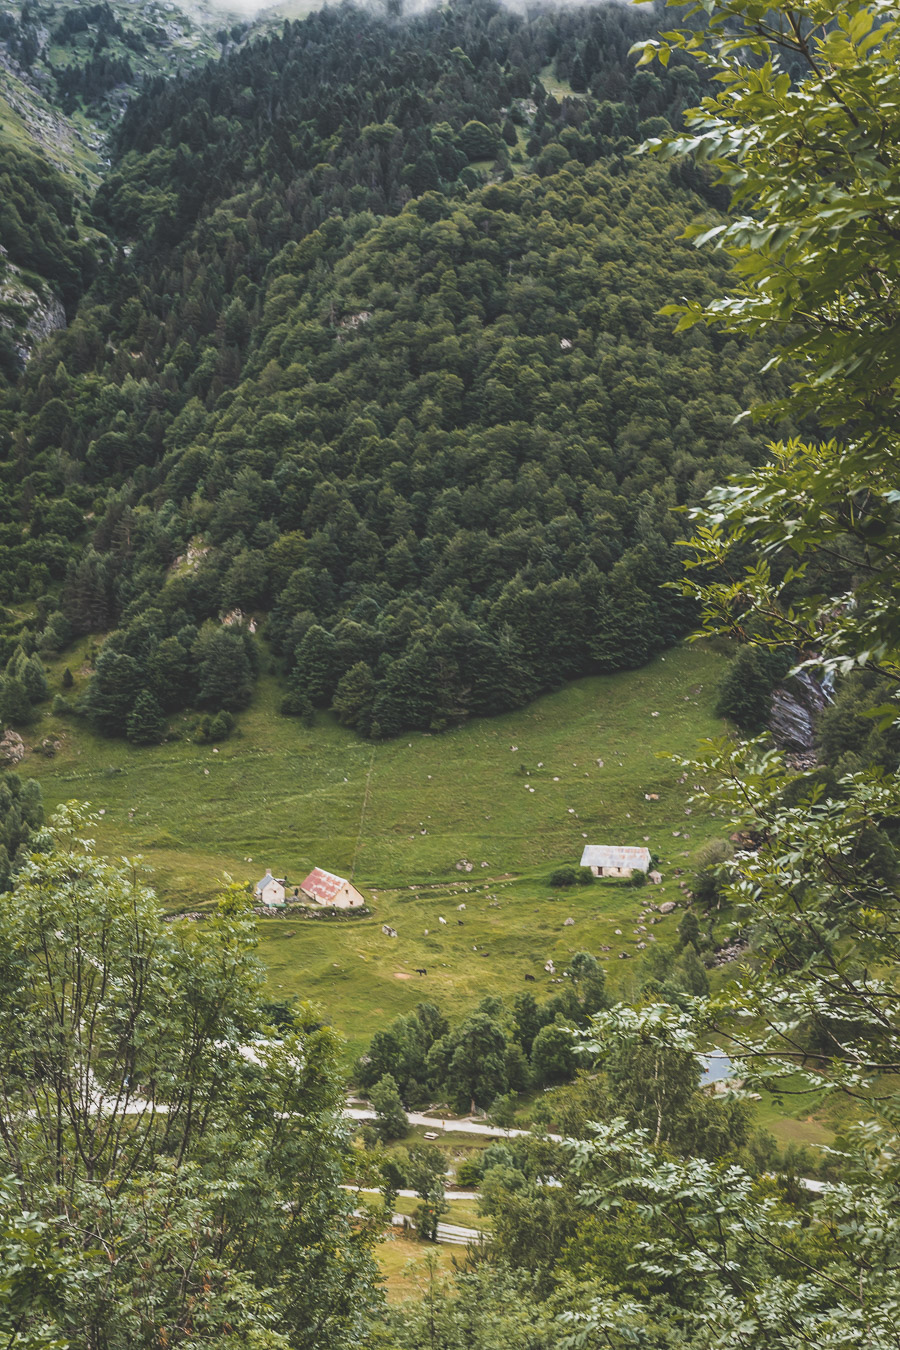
point(667, 907)
point(12, 747)
point(569, 923)
point(731, 952)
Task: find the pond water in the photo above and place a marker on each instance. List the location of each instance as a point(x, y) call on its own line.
point(715, 1065)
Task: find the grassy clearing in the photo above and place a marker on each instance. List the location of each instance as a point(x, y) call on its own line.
point(560, 89)
point(515, 793)
point(801, 1117)
point(464, 1212)
point(515, 796)
point(402, 1265)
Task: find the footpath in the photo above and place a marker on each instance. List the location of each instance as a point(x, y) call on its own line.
point(462, 1126)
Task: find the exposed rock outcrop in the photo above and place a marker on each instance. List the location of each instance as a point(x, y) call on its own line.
point(796, 707)
point(41, 311)
point(12, 748)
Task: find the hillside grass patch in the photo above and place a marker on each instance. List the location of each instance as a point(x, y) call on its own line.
point(514, 796)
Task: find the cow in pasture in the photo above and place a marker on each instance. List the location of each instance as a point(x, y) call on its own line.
point(420, 971)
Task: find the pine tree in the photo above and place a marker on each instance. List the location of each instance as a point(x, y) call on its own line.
point(316, 669)
point(112, 691)
point(224, 677)
point(34, 678)
point(15, 705)
point(745, 695)
point(146, 724)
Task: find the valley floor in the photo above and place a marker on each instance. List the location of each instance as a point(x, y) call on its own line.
point(513, 797)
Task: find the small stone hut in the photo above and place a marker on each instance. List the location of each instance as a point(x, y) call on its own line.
point(614, 860)
point(270, 890)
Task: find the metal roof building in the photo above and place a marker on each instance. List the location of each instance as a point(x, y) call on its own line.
point(611, 860)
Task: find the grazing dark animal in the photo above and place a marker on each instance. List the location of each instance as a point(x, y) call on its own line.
point(420, 971)
point(530, 977)
point(460, 922)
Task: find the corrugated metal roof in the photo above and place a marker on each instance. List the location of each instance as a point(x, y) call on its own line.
point(613, 855)
point(323, 886)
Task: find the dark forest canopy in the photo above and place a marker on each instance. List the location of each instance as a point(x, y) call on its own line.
point(380, 363)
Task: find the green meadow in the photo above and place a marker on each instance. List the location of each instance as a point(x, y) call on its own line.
point(514, 796)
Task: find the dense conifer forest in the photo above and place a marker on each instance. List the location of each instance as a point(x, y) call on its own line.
point(379, 368)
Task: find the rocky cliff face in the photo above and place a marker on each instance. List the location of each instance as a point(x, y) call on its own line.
point(29, 313)
point(796, 707)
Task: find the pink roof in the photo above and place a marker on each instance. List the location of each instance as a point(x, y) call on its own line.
point(324, 886)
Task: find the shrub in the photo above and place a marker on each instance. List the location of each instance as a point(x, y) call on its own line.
point(563, 876)
point(214, 727)
point(468, 1173)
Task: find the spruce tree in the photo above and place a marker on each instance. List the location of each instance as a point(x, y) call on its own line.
point(146, 724)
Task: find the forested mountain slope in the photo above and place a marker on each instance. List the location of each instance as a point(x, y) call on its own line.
point(45, 263)
point(67, 71)
point(90, 57)
point(380, 359)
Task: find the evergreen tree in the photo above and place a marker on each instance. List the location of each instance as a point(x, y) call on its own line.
point(689, 930)
point(745, 695)
point(146, 724)
point(353, 697)
point(112, 692)
point(171, 675)
point(15, 705)
point(224, 675)
point(315, 671)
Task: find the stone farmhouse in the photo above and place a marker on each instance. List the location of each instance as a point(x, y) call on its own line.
point(327, 889)
point(269, 891)
point(610, 860)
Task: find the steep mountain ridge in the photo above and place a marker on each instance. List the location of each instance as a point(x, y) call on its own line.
point(67, 72)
